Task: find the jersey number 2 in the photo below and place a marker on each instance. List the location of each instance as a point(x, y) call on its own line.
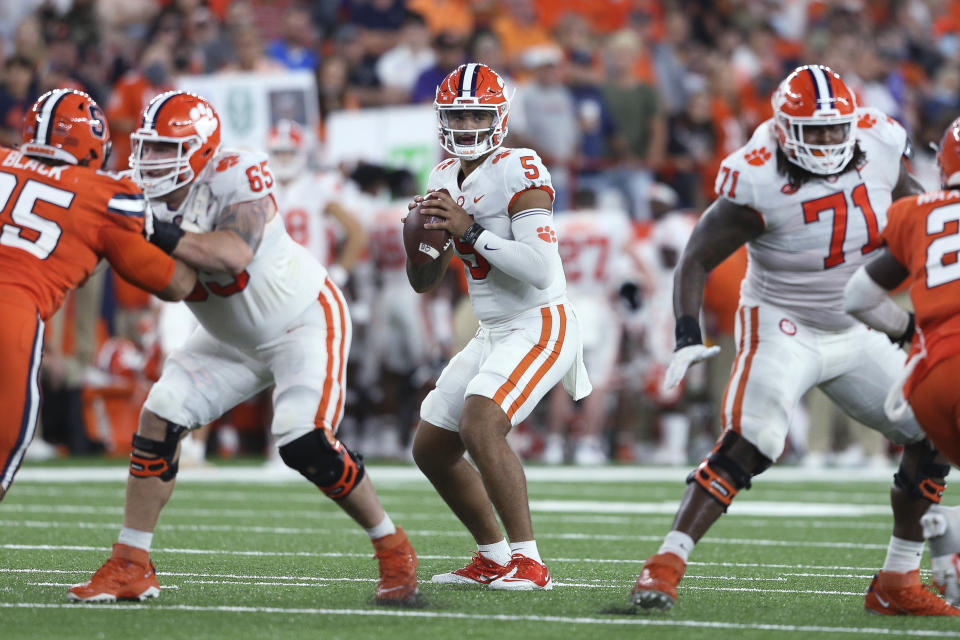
point(43, 234)
point(942, 264)
point(837, 202)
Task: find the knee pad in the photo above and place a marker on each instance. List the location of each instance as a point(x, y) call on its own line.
point(707, 476)
point(328, 464)
point(926, 480)
point(158, 461)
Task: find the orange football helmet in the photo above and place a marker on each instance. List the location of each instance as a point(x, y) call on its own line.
point(287, 146)
point(67, 125)
point(472, 87)
point(814, 96)
point(948, 157)
point(189, 124)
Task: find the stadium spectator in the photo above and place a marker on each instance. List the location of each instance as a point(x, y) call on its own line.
point(17, 91)
point(399, 67)
point(132, 93)
point(635, 106)
point(296, 47)
point(448, 52)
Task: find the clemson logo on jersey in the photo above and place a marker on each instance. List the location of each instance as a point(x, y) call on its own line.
point(758, 156)
point(227, 162)
point(788, 327)
point(546, 234)
point(866, 121)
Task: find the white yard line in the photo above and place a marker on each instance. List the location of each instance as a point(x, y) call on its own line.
point(233, 576)
point(742, 507)
point(487, 618)
point(390, 474)
point(432, 533)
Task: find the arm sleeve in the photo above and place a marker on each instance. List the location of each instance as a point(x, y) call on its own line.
point(533, 257)
point(868, 302)
point(135, 259)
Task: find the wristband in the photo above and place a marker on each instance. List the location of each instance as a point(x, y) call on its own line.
point(166, 235)
point(687, 332)
point(907, 336)
point(472, 233)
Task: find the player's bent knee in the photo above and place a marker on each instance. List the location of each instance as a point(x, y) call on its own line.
point(729, 468)
point(330, 465)
point(920, 476)
point(152, 458)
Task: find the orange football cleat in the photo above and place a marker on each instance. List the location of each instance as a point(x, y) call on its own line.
point(127, 575)
point(480, 571)
point(524, 574)
point(896, 594)
point(398, 569)
point(656, 586)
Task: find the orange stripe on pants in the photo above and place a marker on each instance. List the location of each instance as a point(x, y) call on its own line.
point(542, 371)
point(752, 350)
point(328, 379)
point(514, 378)
point(343, 340)
point(733, 370)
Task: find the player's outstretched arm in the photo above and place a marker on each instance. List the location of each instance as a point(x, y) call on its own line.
point(865, 297)
point(724, 227)
point(231, 245)
point(145, 265)
point(356, 236)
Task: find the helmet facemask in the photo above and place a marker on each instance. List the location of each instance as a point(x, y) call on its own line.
point(472, 143)
point(158, 176)
point(821, 159)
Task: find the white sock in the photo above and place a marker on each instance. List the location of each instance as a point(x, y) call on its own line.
point(527, 548)
point(499, 552)
point(903, 555)
point(678, 543)
point(134, 538)
point(385, 528)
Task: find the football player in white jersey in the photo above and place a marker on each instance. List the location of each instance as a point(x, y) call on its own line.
point(593, 247)
point(268, 314)
point(496, 204)
point(305, 198)
point(808, 195)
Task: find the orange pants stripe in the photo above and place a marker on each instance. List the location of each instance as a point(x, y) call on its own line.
point(21, 345)
point(514, 379)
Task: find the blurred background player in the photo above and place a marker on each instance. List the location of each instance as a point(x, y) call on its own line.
point(307, 199)
point(268, 314)
point(785, 195)
point(593, 247)
point(59, 215)
point(496, 205)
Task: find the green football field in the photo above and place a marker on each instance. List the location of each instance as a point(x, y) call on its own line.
point(246, 552)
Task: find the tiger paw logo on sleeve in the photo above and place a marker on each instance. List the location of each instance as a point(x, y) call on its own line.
point(758, 157)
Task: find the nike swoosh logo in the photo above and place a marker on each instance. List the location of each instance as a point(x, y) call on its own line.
point(477, 199)
point(489, 248)
point(882, 601)
point(392, 589)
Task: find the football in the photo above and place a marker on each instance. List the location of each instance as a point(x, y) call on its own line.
point(422, 245)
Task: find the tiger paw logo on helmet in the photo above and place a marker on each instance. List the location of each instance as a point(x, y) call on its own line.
point(757, 157)
point(205, 120)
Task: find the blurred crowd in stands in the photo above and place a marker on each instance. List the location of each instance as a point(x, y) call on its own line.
point(631, 103)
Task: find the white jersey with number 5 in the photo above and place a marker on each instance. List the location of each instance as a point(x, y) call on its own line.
point(486, 194)
point(282, 280)
point(816, 236)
